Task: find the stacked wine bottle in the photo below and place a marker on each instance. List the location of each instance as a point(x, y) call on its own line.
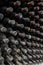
point(21, 32)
